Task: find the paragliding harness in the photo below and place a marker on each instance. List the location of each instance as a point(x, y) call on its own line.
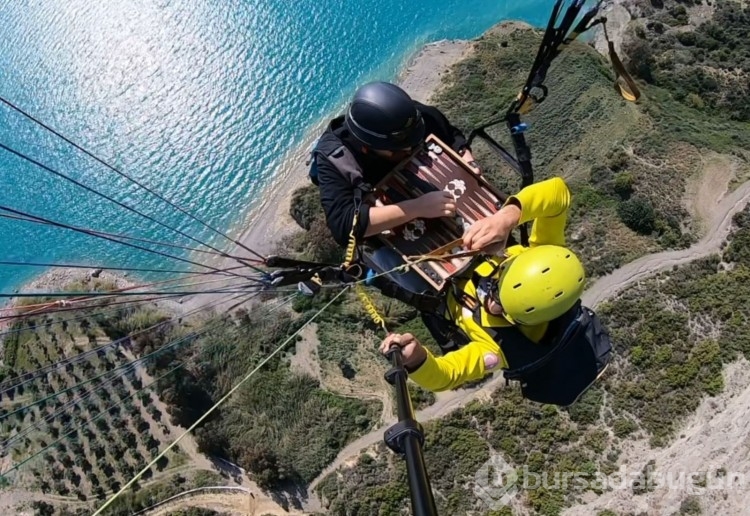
point(331, 148)
point(574, 351)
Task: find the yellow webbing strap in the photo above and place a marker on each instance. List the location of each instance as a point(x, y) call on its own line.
point(351, 247)
point(370, 308)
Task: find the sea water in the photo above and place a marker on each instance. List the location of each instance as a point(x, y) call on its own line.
point(199, 100)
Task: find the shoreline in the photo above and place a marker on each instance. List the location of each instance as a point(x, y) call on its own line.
point(55, 279)
point(59, 278)
point(268, 220)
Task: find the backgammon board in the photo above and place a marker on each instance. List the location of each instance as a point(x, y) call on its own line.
point(436, 167)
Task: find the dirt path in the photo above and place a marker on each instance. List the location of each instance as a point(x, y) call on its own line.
point(717, 230)
point(234, 503)
point(446, 403)
point(704, 192)
point(12, 499)
point(305, 359)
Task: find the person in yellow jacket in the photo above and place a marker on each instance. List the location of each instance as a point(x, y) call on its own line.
point(527, 287)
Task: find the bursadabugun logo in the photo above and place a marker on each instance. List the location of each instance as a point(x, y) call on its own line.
point(495, 482)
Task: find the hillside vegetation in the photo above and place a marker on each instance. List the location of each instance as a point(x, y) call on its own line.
point(674, 334)
point(281, 427)
point(79, 429)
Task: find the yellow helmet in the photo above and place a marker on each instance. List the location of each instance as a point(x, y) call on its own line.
point(539, 284)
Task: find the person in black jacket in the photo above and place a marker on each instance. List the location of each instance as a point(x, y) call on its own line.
point(382, 126)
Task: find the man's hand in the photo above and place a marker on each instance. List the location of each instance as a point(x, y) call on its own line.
point(433, 205)
point(412, 351)
point(492, 230)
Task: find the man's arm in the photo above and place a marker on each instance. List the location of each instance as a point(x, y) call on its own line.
point(427, 206)
point(337, 199)
point(472, 362)
point(546, 203)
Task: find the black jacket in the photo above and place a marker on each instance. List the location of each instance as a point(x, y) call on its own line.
point(337, 192)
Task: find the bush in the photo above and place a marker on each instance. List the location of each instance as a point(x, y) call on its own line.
point(305, 207)
point(624, 427)
point(638, 214)
point(691, 506)
point(623, 185)
point(642, 61)
point(687, 38)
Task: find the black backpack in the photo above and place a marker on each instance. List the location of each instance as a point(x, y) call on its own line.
point(574, 353)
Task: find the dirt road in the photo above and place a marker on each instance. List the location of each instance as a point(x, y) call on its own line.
point(234, 502)
point(446, 403)
point(717, 230)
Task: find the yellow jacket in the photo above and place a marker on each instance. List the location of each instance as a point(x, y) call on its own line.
point(546, 203)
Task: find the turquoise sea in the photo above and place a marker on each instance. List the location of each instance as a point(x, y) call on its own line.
point(200, 100)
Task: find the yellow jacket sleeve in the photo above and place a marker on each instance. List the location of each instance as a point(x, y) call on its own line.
point(546, 203)
point(457, 367)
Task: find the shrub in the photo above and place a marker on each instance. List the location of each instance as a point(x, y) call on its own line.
point(638, 214)
point(623, 185)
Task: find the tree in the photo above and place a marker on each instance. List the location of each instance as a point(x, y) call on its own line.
point(162, 463)
point(624, 184)
point(43, 508)
point(638, 214)
point(265, 466)
point(641, 62)
point(305, 207)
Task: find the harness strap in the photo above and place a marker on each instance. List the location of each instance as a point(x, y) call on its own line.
point(370, 308)
point(351, 248)
point(524, 355)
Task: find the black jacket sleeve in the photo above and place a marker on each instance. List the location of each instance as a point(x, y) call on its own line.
point(337, 198)
point(436, 122)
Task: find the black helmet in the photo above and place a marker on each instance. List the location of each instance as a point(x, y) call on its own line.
point(382, 116)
